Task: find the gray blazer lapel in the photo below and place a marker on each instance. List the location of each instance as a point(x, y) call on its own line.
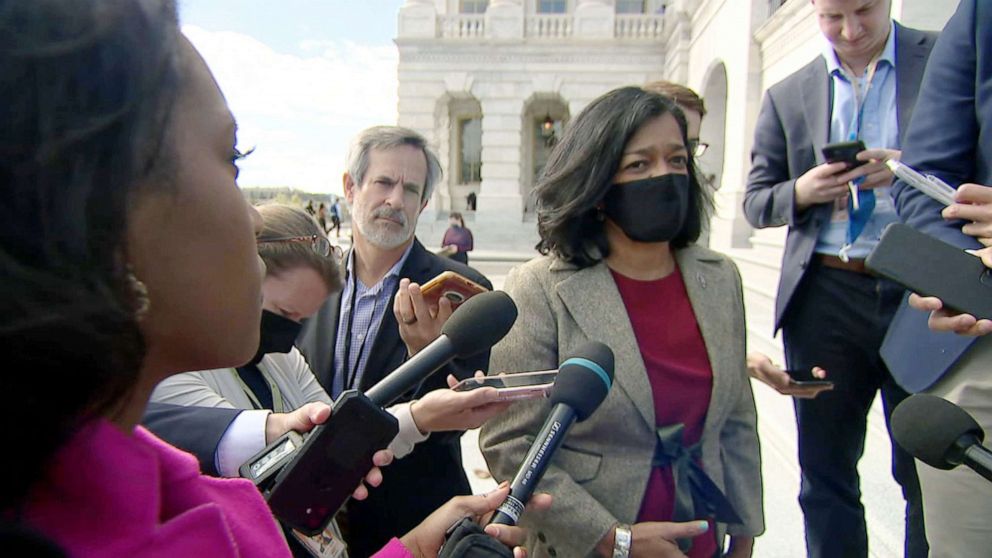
point(592, 298)
point(816, 100)
point(707, 289)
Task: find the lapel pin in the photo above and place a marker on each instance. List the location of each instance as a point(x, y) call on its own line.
point(701, 279)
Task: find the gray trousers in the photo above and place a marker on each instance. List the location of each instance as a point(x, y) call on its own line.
point(957, 504)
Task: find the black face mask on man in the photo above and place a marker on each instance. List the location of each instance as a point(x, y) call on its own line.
point(278, 334)
point(651, 209)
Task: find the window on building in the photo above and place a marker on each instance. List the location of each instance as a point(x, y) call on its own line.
point(470, 150)
point(552, 6)
point(631, 6)
point(473, 6)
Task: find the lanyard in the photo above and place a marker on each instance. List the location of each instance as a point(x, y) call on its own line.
point(854, 130)
point(351, 372)
point(278, 405)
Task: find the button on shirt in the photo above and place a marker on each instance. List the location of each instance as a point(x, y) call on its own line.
point(879, 129)
point(370, 305)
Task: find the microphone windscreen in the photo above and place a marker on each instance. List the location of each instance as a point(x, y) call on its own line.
point(480, 322)
point(584, 379)
point(927, 427)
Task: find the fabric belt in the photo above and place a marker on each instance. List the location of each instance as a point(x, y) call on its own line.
point(854, 265)
point(696, 495)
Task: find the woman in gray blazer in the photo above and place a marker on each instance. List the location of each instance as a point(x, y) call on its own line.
point(669, 464)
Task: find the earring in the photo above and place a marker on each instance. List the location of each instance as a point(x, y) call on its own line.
point(140, 292)
point(600, 215)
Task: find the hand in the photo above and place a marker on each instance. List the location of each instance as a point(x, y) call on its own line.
point(419, 324)
point(761, 368)
point(876, 173)
point(820, 184)
point(740, 547)
point(942, 319)
point(443, 409)
point(425, 540)
point(655, 539)
point(305, 419)
point(974, 204)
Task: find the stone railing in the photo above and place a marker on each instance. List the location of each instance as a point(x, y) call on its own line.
point(463, 26)
point(549, 26)
point(638, 26)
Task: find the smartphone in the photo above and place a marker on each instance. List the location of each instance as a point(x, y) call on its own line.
point(804, 378)
point(525, 385)
point(931, 267)
point(452, 286)
point(335, 457)
point(846, 151)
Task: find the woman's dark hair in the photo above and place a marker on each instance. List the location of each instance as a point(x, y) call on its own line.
point(581, 168)
point(458, 216)
point(86, 92)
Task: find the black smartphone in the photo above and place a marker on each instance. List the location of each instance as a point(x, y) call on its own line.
point(846, 151)
point(804, 377)
point(333, 460)
point(931, 267)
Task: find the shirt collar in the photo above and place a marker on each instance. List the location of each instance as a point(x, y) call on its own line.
point(392, 273)
point(888, 53)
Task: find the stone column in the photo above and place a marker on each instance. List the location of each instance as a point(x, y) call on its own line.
point(417, 19)
point(505, 19)
point(502, 129)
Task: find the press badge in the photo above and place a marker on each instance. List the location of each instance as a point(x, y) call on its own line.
point(326, 544)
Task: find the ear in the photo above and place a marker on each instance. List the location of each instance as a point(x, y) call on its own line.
point(349, 187)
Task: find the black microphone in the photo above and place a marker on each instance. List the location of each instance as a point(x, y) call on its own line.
point(475, 326)
point(583, 383)
point(941, 434)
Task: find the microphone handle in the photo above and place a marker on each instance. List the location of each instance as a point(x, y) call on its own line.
point(979, 459)
point(431, 358)
point(548, 440)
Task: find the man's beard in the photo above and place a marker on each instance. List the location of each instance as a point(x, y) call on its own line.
point(383, 235)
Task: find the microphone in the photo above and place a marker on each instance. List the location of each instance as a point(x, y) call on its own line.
point(311, 480)
point(475, 326)
point(941, 434)
point(583, 382)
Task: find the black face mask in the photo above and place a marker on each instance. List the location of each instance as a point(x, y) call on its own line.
point(278, 335)
point(651, 209)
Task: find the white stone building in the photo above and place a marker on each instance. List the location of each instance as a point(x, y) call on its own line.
point(490, 82)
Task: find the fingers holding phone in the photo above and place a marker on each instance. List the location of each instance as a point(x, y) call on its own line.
point(873, 168)
point(419, 324)
point(446, 409)
point(821, 184)
point(791, 383)
point(973, 203)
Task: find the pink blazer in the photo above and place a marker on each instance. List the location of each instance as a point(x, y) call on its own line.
point(108, 494)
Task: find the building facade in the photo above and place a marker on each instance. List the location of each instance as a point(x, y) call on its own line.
point(491, 83)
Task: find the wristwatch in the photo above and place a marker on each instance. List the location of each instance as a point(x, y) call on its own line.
point(621, 541)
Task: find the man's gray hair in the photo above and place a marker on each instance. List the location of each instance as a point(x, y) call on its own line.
point(388, 137)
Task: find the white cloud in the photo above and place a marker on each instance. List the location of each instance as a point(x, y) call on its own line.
point(300, 111)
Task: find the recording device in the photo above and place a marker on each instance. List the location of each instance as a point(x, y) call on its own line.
point(583, 382)
point(846, 151)
point(926, 183)
point(805, 378)
point(310, 485)
point(941, 434)
point(452, 286)
point(931, 267)
point(524, 385)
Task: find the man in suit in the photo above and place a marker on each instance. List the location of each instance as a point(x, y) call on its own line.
point(950, 136)
point(355, 339)
point(831, 312)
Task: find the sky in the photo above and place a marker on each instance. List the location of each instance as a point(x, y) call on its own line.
point(302, 77)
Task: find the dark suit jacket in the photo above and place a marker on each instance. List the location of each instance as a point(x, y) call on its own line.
point(416, 485)
point(792, 128)
point(950, 136)
point(197, 430)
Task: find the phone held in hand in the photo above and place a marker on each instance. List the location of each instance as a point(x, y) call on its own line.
point(846, 151)
point(804, 378)
point(452, 286)
point(525, 385)
point(930, 185)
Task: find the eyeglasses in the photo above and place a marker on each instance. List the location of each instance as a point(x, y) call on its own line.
point(319, 243)
point(697, 148)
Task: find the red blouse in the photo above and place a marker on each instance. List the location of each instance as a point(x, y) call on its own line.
point(681, 379)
